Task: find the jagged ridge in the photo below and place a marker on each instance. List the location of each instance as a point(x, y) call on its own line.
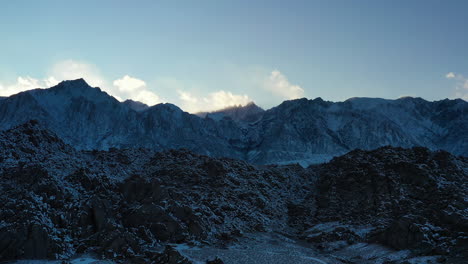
point(304, 131)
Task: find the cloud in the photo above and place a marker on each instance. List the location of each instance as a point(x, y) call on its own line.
point(135, 89)
point(279, 85)
point(193, 98)
point(237, 86)
point(461, 85)
point(222, 99)
point(147, 97)
point(129, 84)
point(187, 97)
point(214, 101)
point(71, 70)
point(124, 88)
point(63, 70)
point(24, 83)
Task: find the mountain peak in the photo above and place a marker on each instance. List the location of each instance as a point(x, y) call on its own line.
point(250, 105)
point(75, 83)
point(68, 89)
point(247, 113)
point(135, 105)
point(411, 99)
point(167, 107)
point(73, 87)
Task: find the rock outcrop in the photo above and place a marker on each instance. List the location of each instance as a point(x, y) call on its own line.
point(411, 198)
point(122, 204)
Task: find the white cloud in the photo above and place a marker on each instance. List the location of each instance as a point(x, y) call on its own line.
point(461, 86)
point(190, 95)
point(222, 99)
point(23, 84)
point(147, 97)
point(135, 89)
point(129, 84)
point(214, 101)
point(187, 97)
point(279, 85)
point(124, 88)
point(71, 70)
point(27, 83)
point(450, 75)
point(63, 70)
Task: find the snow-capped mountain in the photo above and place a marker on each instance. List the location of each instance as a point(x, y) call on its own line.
point(304, 131)
point(312, 129)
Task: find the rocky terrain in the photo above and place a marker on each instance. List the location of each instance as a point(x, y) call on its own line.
point(297, 131)
point(405, 199)
point(140, 206)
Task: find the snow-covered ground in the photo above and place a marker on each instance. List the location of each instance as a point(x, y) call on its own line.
point(262, 248)
point(86, 259)
point(273, 248)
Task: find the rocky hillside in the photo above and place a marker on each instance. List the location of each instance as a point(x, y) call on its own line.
point(411, 198)
point(298, 131)
point(128, 204)
point(121, 203)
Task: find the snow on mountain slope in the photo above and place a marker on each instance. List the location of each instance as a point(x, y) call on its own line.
point(303, 131)
point(302, 128)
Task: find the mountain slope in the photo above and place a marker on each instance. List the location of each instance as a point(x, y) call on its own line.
point(304, 131)
point(300, 129)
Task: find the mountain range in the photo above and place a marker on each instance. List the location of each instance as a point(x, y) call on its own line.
point(296, 131)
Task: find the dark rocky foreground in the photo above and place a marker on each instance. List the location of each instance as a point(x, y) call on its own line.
point(130, 205)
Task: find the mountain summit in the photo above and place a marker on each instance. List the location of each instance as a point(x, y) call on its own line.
point(303, 131)
point(247, 113)
point(135, 105)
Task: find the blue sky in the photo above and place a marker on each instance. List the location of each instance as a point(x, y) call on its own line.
point(202, 55)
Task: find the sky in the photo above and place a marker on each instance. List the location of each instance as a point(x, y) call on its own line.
point(207, 55)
